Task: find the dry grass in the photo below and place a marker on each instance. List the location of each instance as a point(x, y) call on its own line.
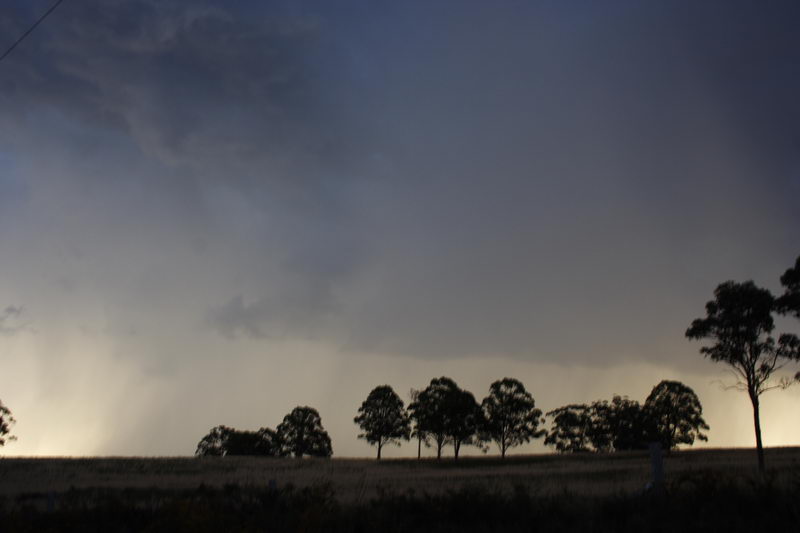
point(358, 480)
point(706, 490)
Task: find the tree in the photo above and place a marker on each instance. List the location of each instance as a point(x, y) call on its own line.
point(268, 443)
point(224, 441)
point(301, 433)
point(446, 414)
point(213, 444)
point(571, 429)
point(261, 442)
point(430, 411)
point(626, 423)
point(603, 426)
point(789, 302)
point(417, 432)
point(463, 419)
point(510, 417)
point(6, 421)
point(382, 418)
point(738, 323)
point(676, 414)
point(600, 432)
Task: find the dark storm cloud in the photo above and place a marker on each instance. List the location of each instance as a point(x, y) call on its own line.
point(170, 133)
point(572, 185)
point(210, 88)
point(548, 181)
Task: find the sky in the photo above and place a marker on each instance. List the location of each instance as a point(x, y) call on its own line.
point(213, 212)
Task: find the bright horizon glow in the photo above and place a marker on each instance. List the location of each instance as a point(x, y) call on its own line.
point(74, 424)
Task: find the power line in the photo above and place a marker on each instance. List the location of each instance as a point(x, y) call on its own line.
point(52, 8)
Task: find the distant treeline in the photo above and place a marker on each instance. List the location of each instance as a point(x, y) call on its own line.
point(301, 433)
point(738, 328)
point(443, 414)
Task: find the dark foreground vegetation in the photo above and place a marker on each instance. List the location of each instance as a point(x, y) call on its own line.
point(699, 501)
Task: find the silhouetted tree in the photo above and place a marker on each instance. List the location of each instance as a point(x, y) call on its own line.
point(416, 431)
point(224, 441)
point(603, 426)
point(383, 418)
point(510, 417)
point(269, 443)
point(571, 429)
point(241, 443)
point(463, 419)
point(430, 411)
point(600, 431)
point(301, 433)
point(261, 442)
point(626, 422)
point(676, 415)
point(739, 322)
point(6, 421)
point(213, 444)
point(789, 302)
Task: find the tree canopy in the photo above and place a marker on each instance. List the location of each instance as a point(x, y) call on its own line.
point(213, 444)
point(676, 414)
point(626, 423)
point(6, 421)
point(416, 431)
point(382, 418)
point(301, 433)
point(429, 414)
point(463, 419)
point(596, 427)
point(738, 324)
point(510, 417)
point(224, 441)
point(446, 413)
point(571, 430)
point(601, 426)
point(671, 415)
point(789, 302)
point(261, 442)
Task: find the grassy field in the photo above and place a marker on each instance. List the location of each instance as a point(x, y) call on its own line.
point(361, 479)
point(705, 488)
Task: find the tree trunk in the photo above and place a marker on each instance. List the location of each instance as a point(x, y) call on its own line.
point(379, 450)
point(439, 445)
point(419, 447)
point(503, 451)
point(456, 446)
point(757, 421)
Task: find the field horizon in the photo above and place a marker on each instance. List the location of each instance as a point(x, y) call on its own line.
point(445, 457)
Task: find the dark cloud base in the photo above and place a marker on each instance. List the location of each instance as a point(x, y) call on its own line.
point(563, 185)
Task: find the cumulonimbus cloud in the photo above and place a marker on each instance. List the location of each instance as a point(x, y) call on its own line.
point(405, 186)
